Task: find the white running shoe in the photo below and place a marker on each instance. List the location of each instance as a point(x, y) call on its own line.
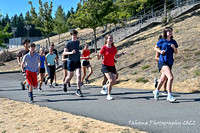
point(105, 89)
point(156, 95)
point(109, 97)
point(103, 92)
point(171, 99)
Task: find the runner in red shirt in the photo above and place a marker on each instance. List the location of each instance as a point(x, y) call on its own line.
point(85, 56)
point(109, 52)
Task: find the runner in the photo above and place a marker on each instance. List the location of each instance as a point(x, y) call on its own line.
point(21, 55)
point(73, 62)
point(85, 56)
point(42, 68)
point(109, 52)
point(32, 64)
point(51, 58)
point(155, 79)
point(56, 53)
point(166, 47)
point(64, 66)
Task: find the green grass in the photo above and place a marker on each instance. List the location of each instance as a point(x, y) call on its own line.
point(145, 67)
point(186, 67)
point(81, 132)
point(155, 71)
point(176, 31)
point(197, 72)
point(142, 80)
point(134, 73)
point(197, 59)
point(189, 49)
point(177, 57)
point(197, 53)
point(188, 55)
point(3, 131)
point(131, 53)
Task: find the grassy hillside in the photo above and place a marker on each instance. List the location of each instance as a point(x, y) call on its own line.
point(138, 69)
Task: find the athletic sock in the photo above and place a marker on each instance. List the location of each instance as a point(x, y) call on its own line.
point(157, 91)
point(169, 94)
point(31, 95)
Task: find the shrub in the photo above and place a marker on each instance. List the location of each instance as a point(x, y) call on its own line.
point(142, 80)
point(145, 67)
point(1, 63)
point(197, 53)
point(197, 72)
point(7, 56)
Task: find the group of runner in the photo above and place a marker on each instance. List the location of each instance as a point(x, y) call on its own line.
point(34, 63)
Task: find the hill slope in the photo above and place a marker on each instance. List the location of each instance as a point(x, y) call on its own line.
point(186, 68)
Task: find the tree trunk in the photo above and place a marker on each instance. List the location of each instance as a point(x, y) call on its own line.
point(49, 40)
point(95, 40)
point(59, 38)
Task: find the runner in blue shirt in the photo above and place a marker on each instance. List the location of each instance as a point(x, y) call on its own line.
point(166, 47)
point(42, 68)
point(73, 62)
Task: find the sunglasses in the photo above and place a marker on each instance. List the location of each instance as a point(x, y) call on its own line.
point(52, 45)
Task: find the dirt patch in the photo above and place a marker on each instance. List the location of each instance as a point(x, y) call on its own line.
point(23, 118)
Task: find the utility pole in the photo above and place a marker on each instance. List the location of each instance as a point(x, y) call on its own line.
point(14, 29)
point(28, 27)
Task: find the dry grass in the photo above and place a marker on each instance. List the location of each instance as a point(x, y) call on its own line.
point(18, 117)
point(187, 32)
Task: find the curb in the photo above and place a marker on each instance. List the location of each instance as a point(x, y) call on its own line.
point(10, 72)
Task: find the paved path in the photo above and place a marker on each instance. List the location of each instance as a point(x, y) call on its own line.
point(131, 107)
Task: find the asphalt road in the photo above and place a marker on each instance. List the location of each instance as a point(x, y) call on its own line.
point(132, 107)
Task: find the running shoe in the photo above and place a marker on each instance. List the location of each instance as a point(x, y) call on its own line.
point(82, 84)
point(46, 82)
point(31, 101)
point(40, 89)
point(105, 89)
point(109, 97)
point(23, 86)
point(171, 99)
point(103, 92)
point(51, 86)
point(155, 82)
point(64, 87)
point(164, 93)
point(79, 93)
point(55, 84)
point(156, 95)
point(87, 81)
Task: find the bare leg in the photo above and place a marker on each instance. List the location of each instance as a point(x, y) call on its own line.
point(112, 80)
point(78, 74)
point(90, 72)
point(84, 73)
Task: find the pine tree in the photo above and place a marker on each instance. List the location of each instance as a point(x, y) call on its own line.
point(43, 20)
point(93, 14)
point(61, 25)
point(4, 34)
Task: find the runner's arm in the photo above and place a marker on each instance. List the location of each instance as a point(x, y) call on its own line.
point(157, 56)
point(157, 49)
point(119, 55)
point(18, 60)
point(68, 53)
point(99, 56)
point(39, 62)
point(175, 49)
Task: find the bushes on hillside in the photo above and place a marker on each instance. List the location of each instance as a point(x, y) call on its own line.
point(7, 56)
